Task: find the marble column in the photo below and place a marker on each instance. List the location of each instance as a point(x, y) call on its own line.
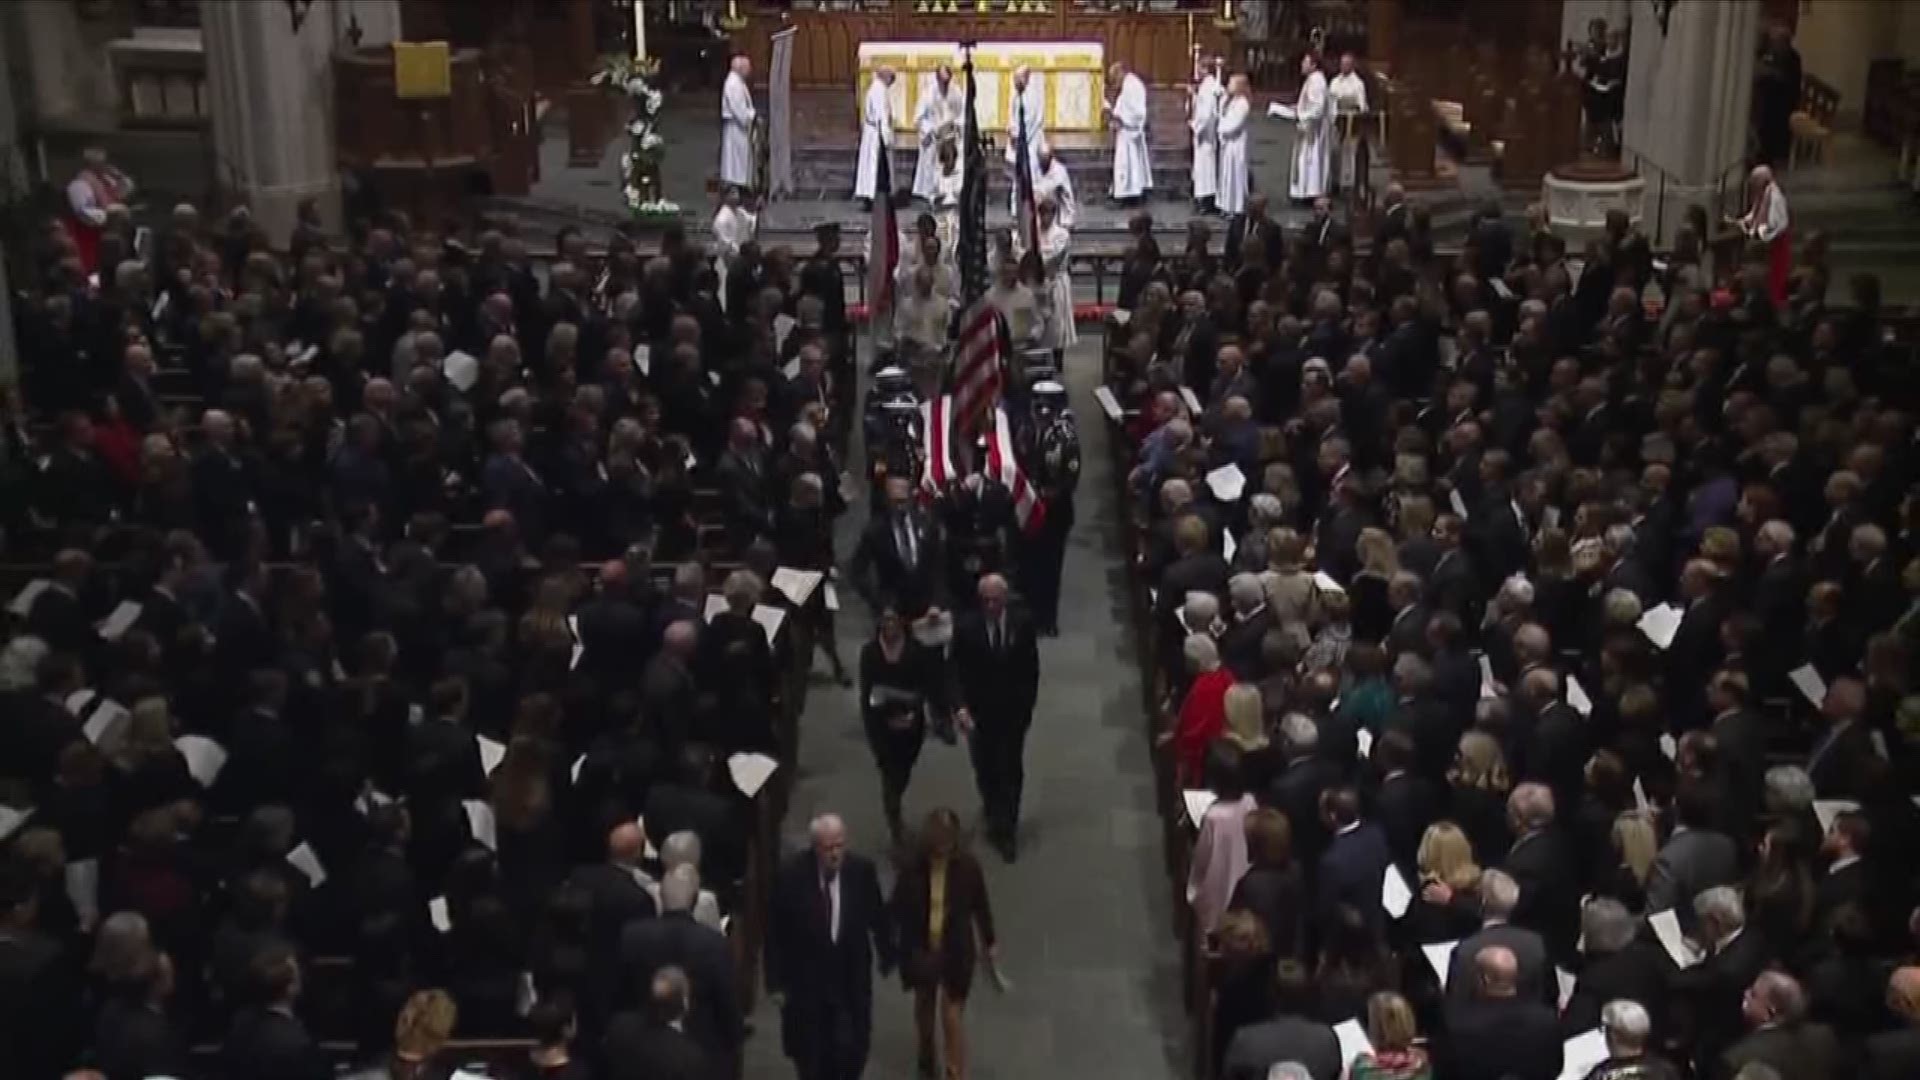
point(271, 90)
point(1689, 94)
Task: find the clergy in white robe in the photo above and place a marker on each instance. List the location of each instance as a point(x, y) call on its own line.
point(1203, 119)
point(736, 126)
point(1234, 114)
point(1056, 185)
point(1132, 168)
point(1767, 222)
point(1033, 93)
point(1348, 94)
point(876, 133)
point(937, 121)
point(1312, 136)
point(1056, 244)
point(733, 226)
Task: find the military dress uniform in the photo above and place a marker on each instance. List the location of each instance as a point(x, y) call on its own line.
point(1052, 464)
point(978, 524)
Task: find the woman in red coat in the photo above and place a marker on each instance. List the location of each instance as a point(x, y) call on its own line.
point(1203, 713)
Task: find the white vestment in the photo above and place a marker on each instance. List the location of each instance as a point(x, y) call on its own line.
point(1204, 122)
point(946, 211)
point(938, 112)
point(1312, 140)
point(1349, 94)
point(1232, 195)
point(1132, 169)
point(876, 138)
point(1055, 245)
point(1057, 184)
point(90, 197)
point(736, 126)
point(732, 227)
point(1768, 217)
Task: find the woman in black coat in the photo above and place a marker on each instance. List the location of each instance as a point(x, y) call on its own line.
point(900, 679)
point(1271, 888)
point(938, 946)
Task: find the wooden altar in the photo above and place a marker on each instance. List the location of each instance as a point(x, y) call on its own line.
point(826, 50)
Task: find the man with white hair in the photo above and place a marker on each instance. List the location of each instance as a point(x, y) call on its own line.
point(1240, 642)
point(714, 1019)
point(1055, 184)
point(1499, 894)
point(683, 849)
point(1716, 987)
point(996, 665)
point(1628, 1028)
point(1032, 93)
point(826, 925)
point(95, 191)
point(1541, 862)
point(1127, 113)
point(1619, 963)
point(1767, 222)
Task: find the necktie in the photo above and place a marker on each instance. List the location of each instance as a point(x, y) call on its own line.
point(826, 904)
point(904, 528)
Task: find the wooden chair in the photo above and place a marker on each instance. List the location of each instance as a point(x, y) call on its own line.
point(1812, 124)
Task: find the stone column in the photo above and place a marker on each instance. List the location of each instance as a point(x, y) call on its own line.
point(271, 90)
point(13, 178)
point(1689, 93)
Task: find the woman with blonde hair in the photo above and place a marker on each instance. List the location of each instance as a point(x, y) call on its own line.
point(424, 1027)
point(1448, 904)
point(1635, 846)
point(154, 772)
point(1391, 1031)
point(1368, 591)
point(1287, 583)
point(1246, 732)
point(1478, 784)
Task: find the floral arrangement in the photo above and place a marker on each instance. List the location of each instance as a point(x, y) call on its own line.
point(640, 163)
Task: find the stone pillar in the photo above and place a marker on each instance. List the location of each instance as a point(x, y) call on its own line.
point(13, 177)
point(1689, 93)
point(271, 90)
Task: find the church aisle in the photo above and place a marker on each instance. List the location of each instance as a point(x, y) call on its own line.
point(1083, 916)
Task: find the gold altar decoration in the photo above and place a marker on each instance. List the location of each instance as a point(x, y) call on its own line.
point(1073, 73)
point(422, 69)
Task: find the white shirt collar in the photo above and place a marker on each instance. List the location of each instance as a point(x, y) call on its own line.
point(1842, 863)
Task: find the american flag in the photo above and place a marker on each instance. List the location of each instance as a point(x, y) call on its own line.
point(977, 348)
point(883, 241)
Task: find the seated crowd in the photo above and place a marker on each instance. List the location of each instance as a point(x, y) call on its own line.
point(384, 619)
point(1553, 675)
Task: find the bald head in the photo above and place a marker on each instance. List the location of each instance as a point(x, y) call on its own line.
point(1498, 970)
point(626, 842)
point(1903, 993)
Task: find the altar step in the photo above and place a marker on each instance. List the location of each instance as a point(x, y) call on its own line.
point(828, 171)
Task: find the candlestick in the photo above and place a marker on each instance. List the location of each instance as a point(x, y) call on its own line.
point(639, 31)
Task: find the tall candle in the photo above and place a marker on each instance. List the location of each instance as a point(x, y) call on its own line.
point(639, 30)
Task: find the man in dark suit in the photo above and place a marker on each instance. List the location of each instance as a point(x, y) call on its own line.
point(1290, 1036)
point(1242, 642)
point(687, 802)
point(746, 487)
point(1497, 1034)
point(648, 946)
point(1695, 857)
point(40, 991)
point(1619, 964)
point(132, 1036)
point(510, 482)
point(1848, 878)
point(1842, 756)
point(1715, 988)
point(669, 694)
point(1541, 861)
point(1533, 971)
point(1296, 789)
point(616, 892)
point(267, 1039)
point(1557, 746)
point(1695, 651)
point(58, 616)
point(826, 923)
point(649, 1043)
point(615, 632)
point(903, 549)
point(1895, 1055)
point(225, 485)
point(1779, 1034)
point(1404, 802)
point(1355, 862)
point(996, 668)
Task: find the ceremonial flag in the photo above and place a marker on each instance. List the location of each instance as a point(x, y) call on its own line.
point(936, 431)
point(883, 243)
point(1027, 212)
point(977, 348)
point(1004, 465)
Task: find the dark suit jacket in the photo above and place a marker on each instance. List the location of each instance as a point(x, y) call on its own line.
point(510, 486)
point(1257, 1048)
point(1536, 979)
point(59, 619)
point(264, 1044)
point(1804, 1051)
point(997, 687)
point(1351, 872)
point(1839, 766)
point(1512, 1039)
point(1278, 896)
point(637, 1048)
point(1892, 1055)
point(1637, 973)
point(1690, 862)
point(714, 1019)
point(617, 637)
point(132, 1041)
point(1714, 989)
point(912, 588)
point(1404, 805)
point(1295, 792)
point(967, 910)
point(828, 981)
point(1543, 865)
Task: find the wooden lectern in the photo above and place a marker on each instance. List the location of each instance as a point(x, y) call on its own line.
point(433, 127)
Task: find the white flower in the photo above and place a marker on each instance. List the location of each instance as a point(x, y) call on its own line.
point(626, 162)
point(651, 141)
point(599, 77)
point(659, 206)
point(636, 86)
